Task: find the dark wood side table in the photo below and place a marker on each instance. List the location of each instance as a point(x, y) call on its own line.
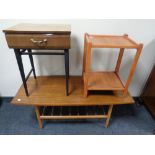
point(148, 94)
point(23, 38)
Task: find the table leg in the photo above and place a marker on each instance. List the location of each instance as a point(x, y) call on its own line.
point(109, 115)
point(66, 52)
point(32, 63)
point(38, 116)
point(21, 68)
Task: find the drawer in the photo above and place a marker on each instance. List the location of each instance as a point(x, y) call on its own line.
point(38, 41)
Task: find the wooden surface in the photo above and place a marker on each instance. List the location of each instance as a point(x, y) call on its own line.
point(108, 116)
point(25, 41)
point(104, 81)
point(108, 41)
point(50, 91)
point(27, 28)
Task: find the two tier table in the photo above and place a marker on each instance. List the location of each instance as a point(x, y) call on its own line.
point(108, 80)
point(57, 105)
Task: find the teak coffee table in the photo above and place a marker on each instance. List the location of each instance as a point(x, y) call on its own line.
point(50, 102)
point(23, 38)
point(108, 80)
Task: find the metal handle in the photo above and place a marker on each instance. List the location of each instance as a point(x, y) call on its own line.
point(39, 42)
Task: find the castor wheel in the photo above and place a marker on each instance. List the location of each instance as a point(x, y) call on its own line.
point(154, 131)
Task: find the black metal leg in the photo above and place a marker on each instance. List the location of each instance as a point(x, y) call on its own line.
point(32, 63)
point(21, 69)
point(67, 69)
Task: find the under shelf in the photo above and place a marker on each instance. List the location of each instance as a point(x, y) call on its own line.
point(104, 81)
point(70, 112)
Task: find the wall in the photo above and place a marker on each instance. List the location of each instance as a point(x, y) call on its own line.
point(140, 30)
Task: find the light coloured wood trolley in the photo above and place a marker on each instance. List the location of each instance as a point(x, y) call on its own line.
point(108, 80)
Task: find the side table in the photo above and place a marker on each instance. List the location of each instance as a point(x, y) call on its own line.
point(23, 38)
point(108, 80)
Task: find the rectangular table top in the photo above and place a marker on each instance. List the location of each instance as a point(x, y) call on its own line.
point(50, 91)
point(26, 28)
point(109, 41)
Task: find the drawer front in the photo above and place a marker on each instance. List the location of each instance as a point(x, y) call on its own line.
point(38, 41)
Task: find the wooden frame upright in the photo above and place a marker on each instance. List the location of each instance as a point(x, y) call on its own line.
point(108, 80)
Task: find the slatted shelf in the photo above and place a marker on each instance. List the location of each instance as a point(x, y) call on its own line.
point(72, 110)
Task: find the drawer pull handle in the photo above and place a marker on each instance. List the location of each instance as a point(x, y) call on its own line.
point(39, 42)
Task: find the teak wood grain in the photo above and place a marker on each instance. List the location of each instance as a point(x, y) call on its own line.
point(104, 81)
point(49, 91)
point(24, 41)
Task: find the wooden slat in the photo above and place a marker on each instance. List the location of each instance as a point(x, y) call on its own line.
point(132, 69)
point(52, 111)
point(119, 60)
point(73, 117)
point(43, 112)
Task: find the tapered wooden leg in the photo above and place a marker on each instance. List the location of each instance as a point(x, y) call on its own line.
point(38, 116)
point(109, 116)
point(84, 53)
